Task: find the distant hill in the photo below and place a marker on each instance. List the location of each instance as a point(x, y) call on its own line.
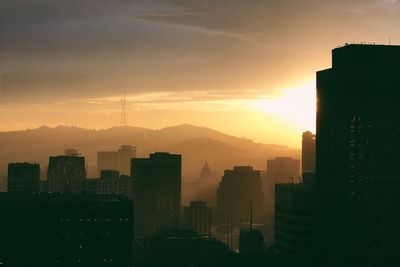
point(196, 144)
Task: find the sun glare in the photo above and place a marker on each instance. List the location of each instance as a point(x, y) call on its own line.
point(297, 105)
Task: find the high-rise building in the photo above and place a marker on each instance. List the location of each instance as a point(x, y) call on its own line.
point(66, 174)
point(198, 217)
point(283, 170)
point(239, 196)
point(125, 154)
point(295, 219)
point(308, 152)
point(279, 171)
point(23, 177)
point(157, 191)
point(357, 162)
point(65, 230)
point(110, 183)
point(116, 160)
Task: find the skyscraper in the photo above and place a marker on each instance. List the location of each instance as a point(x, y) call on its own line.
point(198, 217)
point(283, 169)
point(357, 158)
point(308, 152)
point(239, 195)
point(125, 154)
point(66, 174)
point(116, 160)
point(295, 220)
point(23, 177)
point(279, 170)
point(157, 187)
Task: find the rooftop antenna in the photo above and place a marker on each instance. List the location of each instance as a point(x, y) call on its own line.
point(122, 122)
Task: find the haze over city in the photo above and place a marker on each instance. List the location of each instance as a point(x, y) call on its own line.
point(243, 69)
point(200, 133)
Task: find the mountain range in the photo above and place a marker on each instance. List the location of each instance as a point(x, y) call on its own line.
point(196, 144)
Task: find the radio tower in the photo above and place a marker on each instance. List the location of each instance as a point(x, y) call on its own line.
point(122, 121)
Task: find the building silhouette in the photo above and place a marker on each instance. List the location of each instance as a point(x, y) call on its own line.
point(198, 217)
point(65, 230)
point(184, 248)
point(116, 160)
point(23, 177)
point(283, 169)
point(239, 196)
point(157, 191)
point(125, 154)
point(207, 184)
point(308, 151)
point(279, 170)
point(66, 174)
point(295, 219)
point(357, 158)
point(110, 183)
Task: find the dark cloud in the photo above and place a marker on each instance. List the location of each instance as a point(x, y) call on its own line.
point(183, 45)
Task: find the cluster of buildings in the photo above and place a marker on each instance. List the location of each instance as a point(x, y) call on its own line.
point(337, 206)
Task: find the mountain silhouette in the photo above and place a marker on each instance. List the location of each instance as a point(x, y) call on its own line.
point(196, 144)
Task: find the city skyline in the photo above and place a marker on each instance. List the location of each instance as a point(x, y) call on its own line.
point(152, 133)
point(178, 62)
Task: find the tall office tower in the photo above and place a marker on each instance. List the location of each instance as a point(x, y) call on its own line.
point(295, 219)
point(110, 183)
point(116, 160)
point(198, 217)
point(23, 177)
point(125, 154)
point(358, 168)
point(65, 230)
point(66, 174)
point(308, 152)
point(157, 191)
point(283, 169)
point(279, 170)
point(239, 196)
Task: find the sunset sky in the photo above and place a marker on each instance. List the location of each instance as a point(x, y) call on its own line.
point(243, 67)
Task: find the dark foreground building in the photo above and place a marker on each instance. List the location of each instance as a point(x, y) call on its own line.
point(358, 160)
point(23, 177)
point(239, 196)
point(65, 230)
point(295, 219)
point(66, 174)
point(184, 248)
point(157, 191)
point(198, 217)
point(308, 152)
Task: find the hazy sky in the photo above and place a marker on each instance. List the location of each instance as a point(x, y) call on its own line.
point(245, 67)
